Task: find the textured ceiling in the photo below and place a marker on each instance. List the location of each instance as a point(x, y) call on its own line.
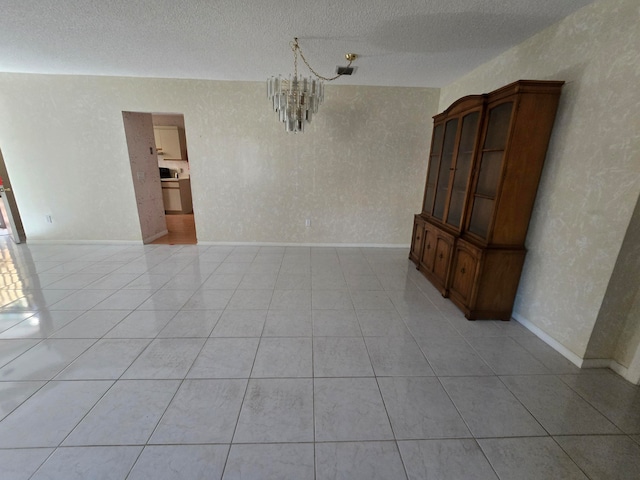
point(401, 43)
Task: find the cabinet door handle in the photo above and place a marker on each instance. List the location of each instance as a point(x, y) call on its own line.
point(441, 256)
point(428, 246)
point(462, 270)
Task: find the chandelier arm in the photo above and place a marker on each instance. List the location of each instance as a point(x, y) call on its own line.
point(296, 48)
point(326, 79)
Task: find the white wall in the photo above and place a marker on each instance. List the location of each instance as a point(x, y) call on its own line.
point(591, 179)
point(357, 172)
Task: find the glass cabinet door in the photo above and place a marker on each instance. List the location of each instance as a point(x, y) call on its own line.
point(434, 164)
point(462, 168)
point(490, 169)
point(444, 172)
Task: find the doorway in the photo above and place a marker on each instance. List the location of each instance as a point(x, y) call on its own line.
point(10, 221)
point(173, 155)
point(161, 176)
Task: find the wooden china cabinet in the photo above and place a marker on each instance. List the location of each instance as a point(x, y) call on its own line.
point(487, 153)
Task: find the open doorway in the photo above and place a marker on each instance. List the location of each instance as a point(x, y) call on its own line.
point(10, 221)
point(173, 164)
point(161, 176)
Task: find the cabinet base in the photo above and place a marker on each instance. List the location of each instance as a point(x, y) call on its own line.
point(474, 315)
point(469, 314)
point(435, 281)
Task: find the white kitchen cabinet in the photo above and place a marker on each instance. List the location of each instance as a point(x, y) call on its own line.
point(170, 142)
point(176, 195)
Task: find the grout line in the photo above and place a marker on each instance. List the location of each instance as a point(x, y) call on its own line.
point(313, 373)
point(569, 456)
point(384, 403)
point(246, 389)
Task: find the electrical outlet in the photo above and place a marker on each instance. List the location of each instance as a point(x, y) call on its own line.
point(48, 218)
point(140, 175)
point(307, 222)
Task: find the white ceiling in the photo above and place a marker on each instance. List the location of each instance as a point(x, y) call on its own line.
point(425, 43)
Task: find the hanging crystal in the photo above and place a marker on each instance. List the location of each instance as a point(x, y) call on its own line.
point(295, 100)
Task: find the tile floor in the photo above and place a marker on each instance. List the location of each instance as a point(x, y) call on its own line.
point(154, 362)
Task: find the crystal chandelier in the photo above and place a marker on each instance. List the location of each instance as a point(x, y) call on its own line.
point(296, 99)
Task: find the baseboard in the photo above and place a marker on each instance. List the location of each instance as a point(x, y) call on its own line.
point(290, 244)
point(626, 373)
point(553, 343)
point(84, 242)
point(619, 369)
point(598, 363)
point(155, 237)
point(633, 372)
point(230, 244)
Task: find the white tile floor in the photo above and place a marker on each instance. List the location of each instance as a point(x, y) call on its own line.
point(283, 363)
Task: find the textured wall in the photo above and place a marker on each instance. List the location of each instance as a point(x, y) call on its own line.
point(627, 350)
point(591, 179)
point(146, 178)
point(357, 172)
point(617, 331)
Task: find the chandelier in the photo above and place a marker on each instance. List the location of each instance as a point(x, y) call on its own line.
point(296, 99)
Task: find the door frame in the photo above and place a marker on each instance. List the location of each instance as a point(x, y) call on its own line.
point(13, 220)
